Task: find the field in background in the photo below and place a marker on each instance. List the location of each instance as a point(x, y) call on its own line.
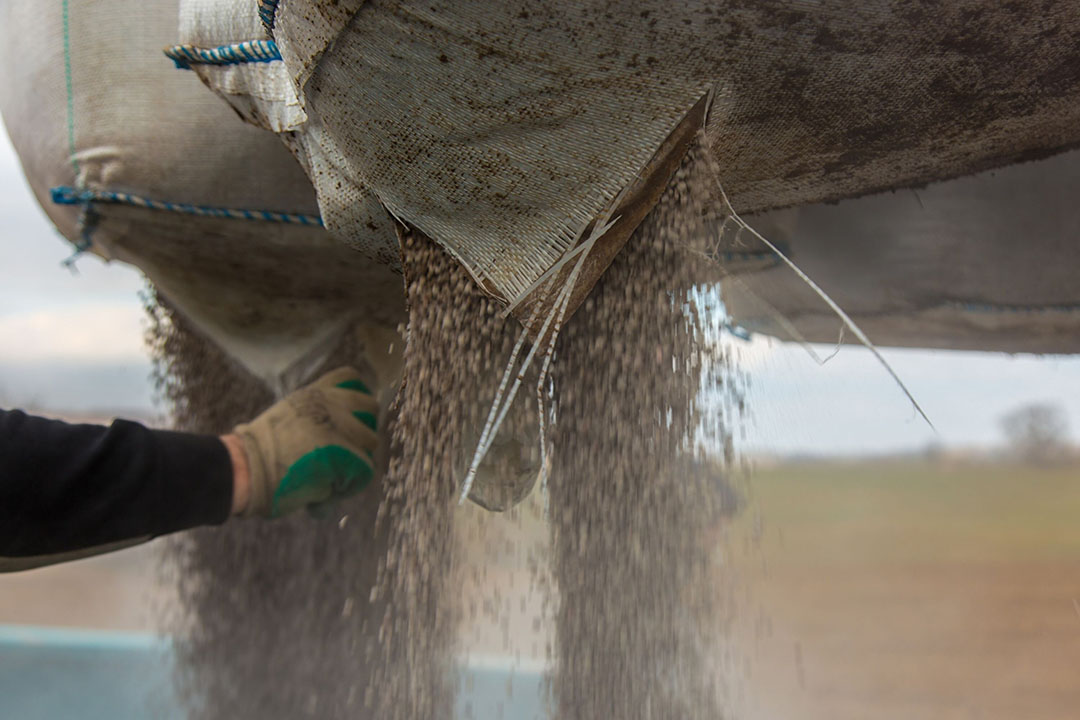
point(912, 589)
point(874, 591)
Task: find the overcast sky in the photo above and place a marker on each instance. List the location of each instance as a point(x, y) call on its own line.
point(67, 341)
point(850, 405)
point(74, 342)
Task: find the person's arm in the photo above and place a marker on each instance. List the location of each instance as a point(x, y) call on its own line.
point(67, 487)
point(67, 491)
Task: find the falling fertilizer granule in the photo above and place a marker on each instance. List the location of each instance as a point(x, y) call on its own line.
point(358, 615)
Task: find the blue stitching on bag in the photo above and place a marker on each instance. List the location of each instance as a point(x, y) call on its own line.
point(87, 217)
point(250, 51)
point(65, 195)
point(268, 14)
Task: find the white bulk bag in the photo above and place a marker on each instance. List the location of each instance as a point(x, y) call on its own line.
point(180, 187)
point(508, 130)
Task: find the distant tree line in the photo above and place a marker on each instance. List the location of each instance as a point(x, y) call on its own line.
point(1038, 434)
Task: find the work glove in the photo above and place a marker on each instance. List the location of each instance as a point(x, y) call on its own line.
point(313, 447)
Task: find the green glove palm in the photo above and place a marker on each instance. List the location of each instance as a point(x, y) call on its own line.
point(313, 447)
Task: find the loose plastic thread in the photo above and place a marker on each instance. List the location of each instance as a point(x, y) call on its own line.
point(730, 213)
point(250, 51)
point(87, 223)
point(65, 195)
point(501, 405)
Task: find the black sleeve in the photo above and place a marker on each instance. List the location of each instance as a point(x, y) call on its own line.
point(67, 487)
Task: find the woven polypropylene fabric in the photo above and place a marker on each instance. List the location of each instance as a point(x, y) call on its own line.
point(265, 95)
point(272, 294)
point(502, 128)
point(983, 262)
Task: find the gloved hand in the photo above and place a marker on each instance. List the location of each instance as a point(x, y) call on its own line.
point(312, 447)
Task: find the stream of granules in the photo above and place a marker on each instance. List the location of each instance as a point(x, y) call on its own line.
point(356, 615)
point(274, 615)
point(637, 630)
point(456, 348)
